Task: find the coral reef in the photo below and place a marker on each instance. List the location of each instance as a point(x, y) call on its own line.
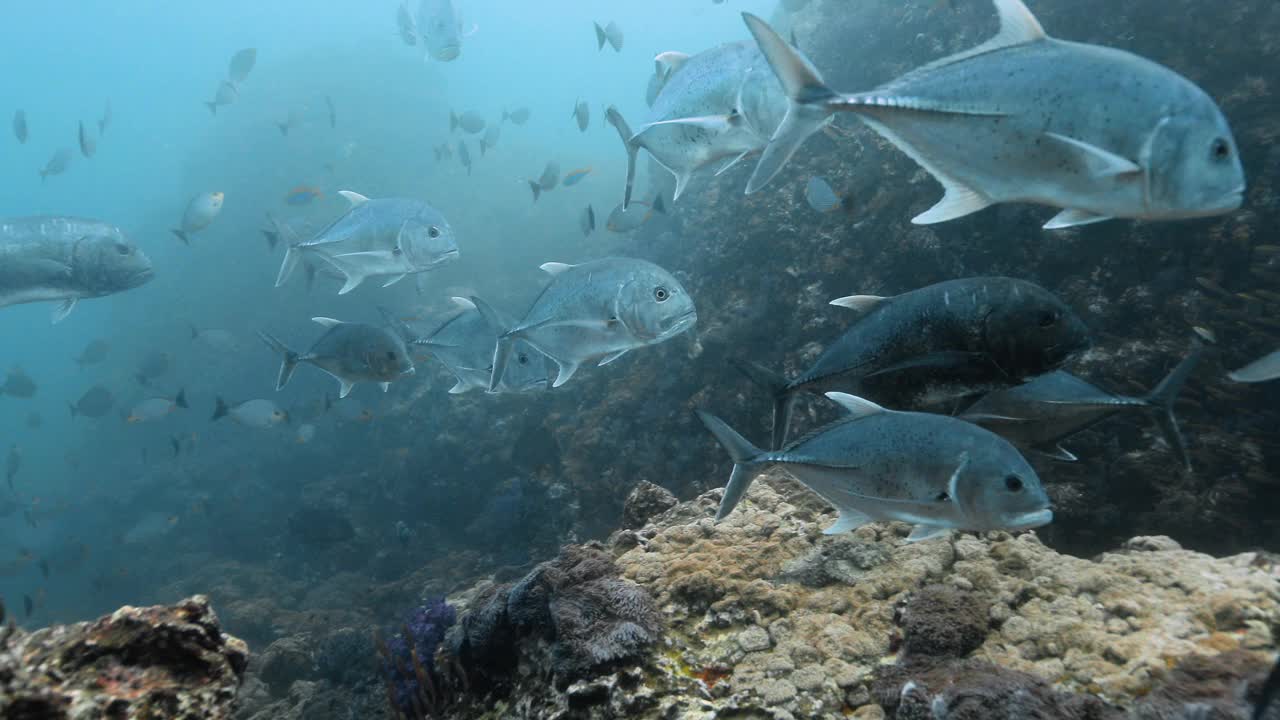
point(154, 662)
point(414, 685)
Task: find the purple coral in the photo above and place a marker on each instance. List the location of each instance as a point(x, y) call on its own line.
point(414, 687)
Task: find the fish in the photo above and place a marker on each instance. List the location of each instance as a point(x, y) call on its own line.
point(20, 126)
point(547, 181)
point(225, 95)
point(58, 163)
point(519, 116)
point(596, 311)
point(582, 113)
point(88, 145)
point(105, 120)
point(933, 471)
point(350, 352)
point(981, 330)
point(153, 365)
point(12, 465)
point(464, 345)
point(1025, 117)
point(470, 122)
point(406, 25)
point(65, 259)
point(333, 111)
point(201, 211)
point(17, 383)
point(587, 221)
point(240, 65)
point(156, 408)
point(291, 121)
point(306, 432)
point(302, 195)
point(622, 219)
point(438, 22)
point(217, 339)
point(1048, 409)
point(820, 196)
point(464, 155)
point(386, 238)
point(95, 352)
point(258, 413)
point(611, 34)
point(96, 402)
point(1263, 369)
point(573, 177)
point(490, 138)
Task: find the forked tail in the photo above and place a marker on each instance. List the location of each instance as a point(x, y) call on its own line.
point(288, 359)
point(747, 461)
point(624, 131)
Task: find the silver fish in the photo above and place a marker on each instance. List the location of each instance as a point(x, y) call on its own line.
point(595, 311)
point(518, 116)
point(156, 408)
point(464, 344)
point(582, 113)
point(1097, 132)
point(611, 34)
point(201, 210)
point(438, 22)
point(464, 155)
point(547, 181)
point(387, 238)
point(351, 353)
point(1263, 369)
point(65, 259)
point(933, 471)
point(226, 94)
point(1046, 410)
point(490, 138)
point(58, 164)
point(406, 25)
point(470, 121)
point(20, 126)
point(587, 221)
point(241, 64)
point(258, 413)
point(88, 146)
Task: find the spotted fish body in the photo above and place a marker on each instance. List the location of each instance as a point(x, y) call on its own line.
point(1094, 131)
point(350, 352)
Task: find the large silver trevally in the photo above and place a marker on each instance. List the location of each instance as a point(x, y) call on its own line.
point(65, 259)
point(438, 22)
point(595, 311)
point(464, 344)
point(1097, 132)
point(933, 471)
point(382, 238)
point(350, 352)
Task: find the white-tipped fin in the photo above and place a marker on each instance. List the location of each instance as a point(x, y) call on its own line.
point(858, 407)
point(344, 388)
point(554, 268)
point(925, 532)
point(386, 386)
point(953, 485)
point(611, 357)
point(326, 322)
point(354, 198)
point(463, 303)
point(671, 61)
point(860, 303)
point(461, 386)
point(1057, 452)
point(393, 280)
point(63, 309)
point(733, 161)
point(1071, 217)
point(849, 519)
point(1263, 369)
point(567, 369)
point(958, 201)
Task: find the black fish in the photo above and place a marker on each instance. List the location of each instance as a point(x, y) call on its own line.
point(982, 331)
point(28, 605)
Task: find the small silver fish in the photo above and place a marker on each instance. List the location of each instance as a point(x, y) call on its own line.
point(405, 24)
point(58, 164)
point(1263, 369)
point(547, 181)
point(582, 113)
point(226, 94)
point(820, 196)
point(258, 413)
point(470, 121)
point(200, 212)
point(490, 138)
point(519, 116)
point(156, 408)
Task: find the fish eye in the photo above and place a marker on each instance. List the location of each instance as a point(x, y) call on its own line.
point(433, 232)
point(1013, 484)
point(1047, 318)
point(391, 355)
point(123, 249)
point(1220, 149)
point(523, 359)
point(660, 294)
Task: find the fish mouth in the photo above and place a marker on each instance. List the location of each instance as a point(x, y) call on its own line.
point(681, 323)
point(142, 277)
point(1028, 520)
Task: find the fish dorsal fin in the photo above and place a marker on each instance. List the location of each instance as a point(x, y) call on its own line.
point(463, 303)
point(1017, 27)
point(355, 198)
point(858, 407)
point(554, 268)
point(326, 322)
point(344, 387)
point(860, 303)
point(671, 60)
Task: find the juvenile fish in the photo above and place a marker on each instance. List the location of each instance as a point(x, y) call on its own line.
point(350, 352)
point(519, 116)
point(582, 113)
point(470, 121)
point(200, 212)
point(1094, 131)
point(156, 408)
point(490, 138)
point(17, 383)
point(260, 414)
point(58, 164)
point(225, 95)
point(933, 471)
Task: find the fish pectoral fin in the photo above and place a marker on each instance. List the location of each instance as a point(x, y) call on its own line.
point(1057, 452)
point(344, 387)
point(386, 386)
point(957, 201)
point(326, 322)
point(849, 519)
point(925, 532)
point(949, 360)
point(713, 123)
point(1072, 217)
point(393, 280)
point(461, 386)
point(669, 62)
point(612, 356)
point(732, 161)
point(64, 309)
point(1099, 162)
point(981, 417)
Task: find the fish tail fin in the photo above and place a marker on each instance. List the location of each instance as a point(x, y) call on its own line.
point(601, 37)
point(808, 101)
point(213, 107)
point(537, 190)
point(291, 256)
point(779, 389)
point(181, 400)
point(288, 362)
point(195, 332)
point(1162, 398)
point(220, 409)
point(501, 349)
point(181, 236)
point(633, 148)
point(746, 461)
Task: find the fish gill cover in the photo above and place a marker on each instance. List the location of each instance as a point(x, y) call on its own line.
point(1003, 287)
